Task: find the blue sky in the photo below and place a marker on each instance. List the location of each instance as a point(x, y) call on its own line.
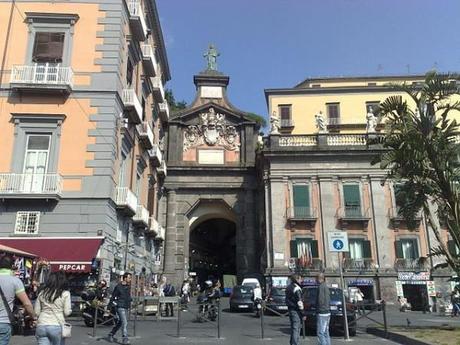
point(278, 43)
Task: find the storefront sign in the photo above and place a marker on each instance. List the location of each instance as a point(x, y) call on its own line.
point(360, 282)
point(77, 268)
point(279, 282)
point(413, 276)
point(431, 288)
point(308, 282)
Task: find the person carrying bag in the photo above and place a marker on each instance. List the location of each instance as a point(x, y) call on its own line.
point(52, 306)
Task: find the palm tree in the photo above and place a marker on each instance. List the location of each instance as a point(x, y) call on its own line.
point(423, 155)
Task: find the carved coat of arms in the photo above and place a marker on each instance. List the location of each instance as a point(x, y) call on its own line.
point(212, 130)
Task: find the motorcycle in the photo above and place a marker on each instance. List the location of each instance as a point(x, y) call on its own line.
point(207, 309)
point(104, 316)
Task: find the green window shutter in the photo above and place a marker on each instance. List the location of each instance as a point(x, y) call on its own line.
point(452, 247)
point(293, 244)
point(314, 249)
point(351, 195)
point(301, 196)
point(367, 253)
point(398, 250)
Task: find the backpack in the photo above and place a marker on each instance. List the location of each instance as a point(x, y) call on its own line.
point(169, 290)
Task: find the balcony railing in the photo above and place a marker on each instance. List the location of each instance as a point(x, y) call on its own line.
point(164, 111)
point(351, 264)
point(158, 90)
point(32, 185)
point(287, 123)
point(394, 214)
point(411, 264)
point(306, 264)
point(150, 60)
point(162, 170)
point(145, 134)
point(298, 140)
point(141, 216)
point(42, 76)
point(137, 20)
point(131, 102)
point(155, 155)
point(154, 225)
point(346, 139)
point(126, 199)
point(337, 121)
point(353, 212)
point(302, 213)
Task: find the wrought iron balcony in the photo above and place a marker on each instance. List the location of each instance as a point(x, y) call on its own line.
point(158, 90)
point(156, 157)
point(146, 136)
point(353, 213)
point(137, 20)
point(132, 105)
point(398, 219)
point(164, 111)
point(35, 186)
point(287, 123)
point(351, 264)
point(126, 200)
point(141, 217)
point(149, 60)
point(42, 77)
point(305, 264)
point(419, 264)
point(154, 226)
point(302, 213)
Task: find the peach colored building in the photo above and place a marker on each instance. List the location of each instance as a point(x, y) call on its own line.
point(83, 113)
point(318, 179)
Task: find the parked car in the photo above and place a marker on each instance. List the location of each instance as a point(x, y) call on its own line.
point(336, 323)
point(276, 300)
point(242, 298)
point(252, 282)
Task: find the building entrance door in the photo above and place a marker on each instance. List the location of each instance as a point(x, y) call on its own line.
point(213, 249)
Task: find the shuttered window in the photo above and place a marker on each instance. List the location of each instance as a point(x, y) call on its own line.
point(359, 249)
point(48, 47)
point(301, 195)
point(352, 200)
point(406, 249)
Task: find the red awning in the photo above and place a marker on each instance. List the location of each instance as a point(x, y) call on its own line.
point(14, 251)
point(67, 254)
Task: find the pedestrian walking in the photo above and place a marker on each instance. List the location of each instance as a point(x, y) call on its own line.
point(455, 300)
point(52, 306)
point(169, 291)
point(359, 298)
point(295, 308)
point(11, 287)
point(185, 294)
point(121, 301)
point(323, 313)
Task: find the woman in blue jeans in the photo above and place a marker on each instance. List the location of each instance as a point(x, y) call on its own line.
point(52, 306)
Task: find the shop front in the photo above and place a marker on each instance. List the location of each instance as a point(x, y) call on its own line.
point(366, 286)
point(416, 288)
point(23, 262)
point(78, 257)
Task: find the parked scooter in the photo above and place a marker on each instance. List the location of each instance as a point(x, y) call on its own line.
point(104, 316)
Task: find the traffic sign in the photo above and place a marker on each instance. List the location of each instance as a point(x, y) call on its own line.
point(338, 241)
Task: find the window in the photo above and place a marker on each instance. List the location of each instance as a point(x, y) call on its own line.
point(138, 185)
point(406, 249)
point(352, 200)
point(48, 47)
point(372, 106)
point(285, 115)
point(122, 176)
point(301, 196)
point(400, 195)
point(359, 249)
point(36, 162)
point(305, 248)
point(129, 73)
point(27, 223)
point(333, 113)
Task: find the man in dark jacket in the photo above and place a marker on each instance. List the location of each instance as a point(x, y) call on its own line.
point(121, 300)
point(295, 308)
point(323, 312)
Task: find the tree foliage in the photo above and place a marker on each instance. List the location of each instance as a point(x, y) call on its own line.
point(173, 104)
point(258, 119)
point(423, 155)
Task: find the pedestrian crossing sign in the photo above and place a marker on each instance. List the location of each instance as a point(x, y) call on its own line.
point(338, 241)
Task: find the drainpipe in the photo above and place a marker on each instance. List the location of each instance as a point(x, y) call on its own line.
point(268, 222)
point(7, 39)
point(375, 235)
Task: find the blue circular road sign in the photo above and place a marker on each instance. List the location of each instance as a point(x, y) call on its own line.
point(338, 244)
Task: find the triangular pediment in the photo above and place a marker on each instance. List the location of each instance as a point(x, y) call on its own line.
point(192, 115)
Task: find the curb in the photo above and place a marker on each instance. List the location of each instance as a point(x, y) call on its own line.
point(396, 337)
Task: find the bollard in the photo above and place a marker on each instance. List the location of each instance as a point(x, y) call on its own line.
point(262, 325)
point(385, 325)
point(95, 322)
point(218, 318)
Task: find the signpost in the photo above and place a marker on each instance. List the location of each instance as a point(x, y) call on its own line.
point(338, 242)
